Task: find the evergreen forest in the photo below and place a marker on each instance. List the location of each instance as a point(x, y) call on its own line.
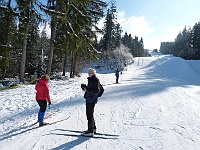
point(186, 45)
point(26, 49)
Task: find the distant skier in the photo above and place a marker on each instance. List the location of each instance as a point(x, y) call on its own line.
point(91, 97)
point(117, 75)
point(42, 97)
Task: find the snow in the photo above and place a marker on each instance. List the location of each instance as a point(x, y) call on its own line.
point(155, 106)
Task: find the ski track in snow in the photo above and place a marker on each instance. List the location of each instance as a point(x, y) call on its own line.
point(154, 107)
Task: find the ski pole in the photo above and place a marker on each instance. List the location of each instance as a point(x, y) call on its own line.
point(121, 76)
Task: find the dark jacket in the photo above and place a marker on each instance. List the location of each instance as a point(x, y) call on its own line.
point(92, 90)
point(117, 73)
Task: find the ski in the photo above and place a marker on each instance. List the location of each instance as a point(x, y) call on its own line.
point(51, 123)
point(81, 136)
point(46, 117)
point(58, 121)
point(49, 115)
point(98, 134)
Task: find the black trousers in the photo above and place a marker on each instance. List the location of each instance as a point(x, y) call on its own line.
point(42, 104)
point(117, 78)
point(90, 115)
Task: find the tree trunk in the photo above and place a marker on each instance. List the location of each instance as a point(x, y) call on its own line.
point(64, 64)
point(23, 61)
point(72, 63)
point(53, 33)
point(75, 65)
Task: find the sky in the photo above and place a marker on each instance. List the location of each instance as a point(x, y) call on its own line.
point(155, 106)
point(157, 21)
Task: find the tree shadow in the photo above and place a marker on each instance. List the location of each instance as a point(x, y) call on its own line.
point(14, 132)
point(70, 144)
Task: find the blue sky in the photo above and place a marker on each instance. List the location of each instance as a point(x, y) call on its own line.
point(157, 21)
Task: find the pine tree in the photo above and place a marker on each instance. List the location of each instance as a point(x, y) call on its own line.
point(135, 45)
point(166, 47)
point(74, 20)
point(186, 44)
point(125, 40)
point(74, 34)
point(43, 51)
point(33, 57)
point(109, 37)
point(118, 31)
point(8, 30)
point(52, 6)
point(25, 13)
point(196, 40)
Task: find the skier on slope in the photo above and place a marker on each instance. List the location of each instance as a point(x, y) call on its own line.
point(91, 96)
point(42, 97)
point(117, 75)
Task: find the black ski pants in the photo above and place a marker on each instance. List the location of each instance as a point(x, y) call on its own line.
point(117, 78)
point(42, 104)
point(90, 115)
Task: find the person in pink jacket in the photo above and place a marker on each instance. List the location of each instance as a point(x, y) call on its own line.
point(42, 97)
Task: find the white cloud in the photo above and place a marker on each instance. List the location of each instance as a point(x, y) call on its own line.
point(139, 26)
point(136, 26)
point(169, 35)
point(121, 17)
point(151, 44)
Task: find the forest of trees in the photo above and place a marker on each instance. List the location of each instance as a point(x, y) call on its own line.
point(186, 44)
point(72, 44)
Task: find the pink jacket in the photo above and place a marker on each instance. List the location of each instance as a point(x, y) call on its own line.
point(42, 89)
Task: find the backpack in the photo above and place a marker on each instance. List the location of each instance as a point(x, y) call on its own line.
point(101, 89)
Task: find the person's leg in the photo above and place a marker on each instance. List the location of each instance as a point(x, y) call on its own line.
point(90, 116)
point(117, 78)
point(41, 113)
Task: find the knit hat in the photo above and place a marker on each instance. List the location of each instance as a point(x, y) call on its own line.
point(45, 76)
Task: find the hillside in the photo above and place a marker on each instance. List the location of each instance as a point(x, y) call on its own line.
point(155, 106)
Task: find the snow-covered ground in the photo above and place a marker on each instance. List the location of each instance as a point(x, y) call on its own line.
point(155, 106)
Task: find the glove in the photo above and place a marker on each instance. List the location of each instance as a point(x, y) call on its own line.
point(49, 103)
point(83, 86)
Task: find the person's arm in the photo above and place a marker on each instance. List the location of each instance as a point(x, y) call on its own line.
point(46, 91)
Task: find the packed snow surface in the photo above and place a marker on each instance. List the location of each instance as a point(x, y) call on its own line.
point(155, 106)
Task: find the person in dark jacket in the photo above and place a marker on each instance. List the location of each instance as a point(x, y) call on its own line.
point(42, 97)
point(117, 75)
point(91, 97)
